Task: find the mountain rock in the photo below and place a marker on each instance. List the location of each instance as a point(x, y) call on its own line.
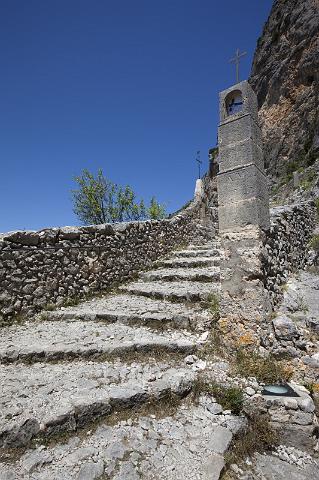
point(285, 76)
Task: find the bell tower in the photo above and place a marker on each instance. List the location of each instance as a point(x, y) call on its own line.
point(242, 183)
point(243, 215)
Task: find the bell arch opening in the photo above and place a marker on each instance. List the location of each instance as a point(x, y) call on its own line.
point(234, 102)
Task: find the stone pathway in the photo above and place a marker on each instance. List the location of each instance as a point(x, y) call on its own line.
point(88, 390)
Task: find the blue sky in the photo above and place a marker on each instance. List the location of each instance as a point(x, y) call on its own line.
point(130, 86)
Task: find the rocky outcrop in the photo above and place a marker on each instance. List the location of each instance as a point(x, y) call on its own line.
point(285, 76)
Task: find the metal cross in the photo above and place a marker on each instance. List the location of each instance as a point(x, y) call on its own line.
point(236, 60)
point(199, 161)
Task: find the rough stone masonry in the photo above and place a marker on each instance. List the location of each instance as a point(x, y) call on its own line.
point(243, 212)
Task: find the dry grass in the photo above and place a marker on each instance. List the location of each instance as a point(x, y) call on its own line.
point(230, 398)
point(258, 436)
point(267, 370)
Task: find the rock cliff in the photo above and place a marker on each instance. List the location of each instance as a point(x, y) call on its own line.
point(285, 76)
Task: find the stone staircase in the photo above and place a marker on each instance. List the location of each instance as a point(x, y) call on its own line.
point(88, 391)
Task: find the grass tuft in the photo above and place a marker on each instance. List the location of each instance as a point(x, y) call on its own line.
point(259, 436)
point(314, 243)
point(230, 398)
point(264, 369)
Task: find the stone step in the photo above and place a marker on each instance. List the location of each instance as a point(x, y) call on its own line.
point(186, 444)
point(213, 252)
point(205, 246)
point(174, 291)
point(136, 310)
point(189, 262)
point(46, 400)
point(192, 274)
point(51, 341)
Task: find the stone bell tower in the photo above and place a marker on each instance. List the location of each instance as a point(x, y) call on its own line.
point(242, 183)
point(243, 215)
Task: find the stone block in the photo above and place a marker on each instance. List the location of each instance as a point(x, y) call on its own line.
point(237, 130)
point(235, 217)
point(243, 153)
point(242, 184)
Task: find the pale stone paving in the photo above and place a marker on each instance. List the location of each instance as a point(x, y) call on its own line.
point(82, 364)
point(193, 274)
point(182, 291)
point(56, 399)
point(133, 309)
point(61, 339)
point(188, 445)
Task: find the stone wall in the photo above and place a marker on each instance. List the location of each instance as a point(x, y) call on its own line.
point(52, 266)
point(286, 244)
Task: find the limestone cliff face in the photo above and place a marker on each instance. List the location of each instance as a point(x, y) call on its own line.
point(285, 76)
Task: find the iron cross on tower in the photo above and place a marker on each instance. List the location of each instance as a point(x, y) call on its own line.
point(199, 161)
point(236, 60)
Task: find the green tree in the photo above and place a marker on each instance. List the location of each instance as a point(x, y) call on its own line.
point(156, 211)
point(98, 200)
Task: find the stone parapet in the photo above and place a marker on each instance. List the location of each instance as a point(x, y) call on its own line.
point(53, 266)
point(286, 244)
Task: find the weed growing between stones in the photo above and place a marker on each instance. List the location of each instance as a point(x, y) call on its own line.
point(18, 319)
point(71, 302)
point(50, 307)
point(314, 243)
point(213, 345)
point(309, 180)
point(230, 398)
point(258, 436)
point(267, 370)
point(213, 305)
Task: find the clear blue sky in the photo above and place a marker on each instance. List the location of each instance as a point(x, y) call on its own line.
point(130, 86)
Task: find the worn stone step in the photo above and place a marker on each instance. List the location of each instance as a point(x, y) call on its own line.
point(188, 443)
point(192, 274)
point(46, 400)
point(197, 253)
point(204, 246)
point(50, 341)
point(189, 262)
point(136, 310)
point(175, 291)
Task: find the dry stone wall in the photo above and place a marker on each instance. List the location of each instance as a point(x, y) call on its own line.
point(286, 244)
point(48, 267)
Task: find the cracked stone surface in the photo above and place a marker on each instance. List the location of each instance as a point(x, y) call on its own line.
point(60, 397)
point(296, 326)
point(189, 444)
point(63, 339)
point(135, 309)
point(77, 371)
point(212, 252)
point(190, 262)
point(268, 467)
point(197, 274)
point(189, 291)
